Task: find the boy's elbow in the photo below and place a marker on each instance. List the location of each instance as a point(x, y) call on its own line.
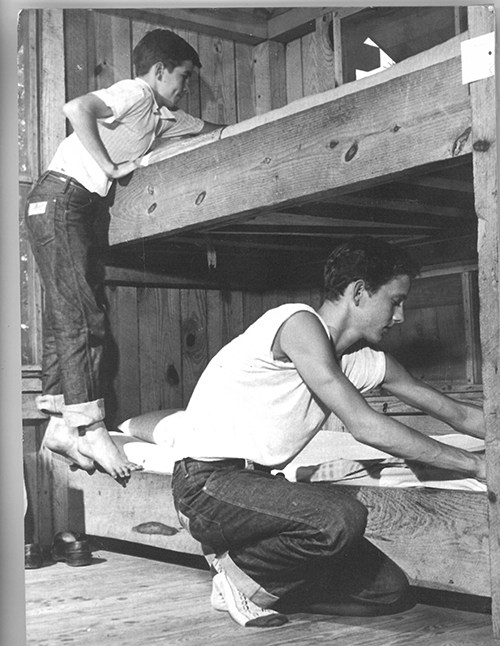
point(71, 109)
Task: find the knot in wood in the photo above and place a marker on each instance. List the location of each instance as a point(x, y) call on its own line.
point(460, 142)
point(200, 198)
point(150, 189)
point(267, 160)
point(333, 144)
point(351, 152)
point(152, 208)
point(481, 146)
point(396, 128)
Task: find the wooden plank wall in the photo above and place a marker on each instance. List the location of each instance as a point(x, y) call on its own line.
point(163, 338)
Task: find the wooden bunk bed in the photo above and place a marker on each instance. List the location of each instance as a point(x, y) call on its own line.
point(312, 167)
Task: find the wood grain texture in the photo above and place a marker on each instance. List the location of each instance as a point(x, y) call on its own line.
point(217, 86)
point(245, 82)
point(483, 99)
point(225, 318)
point(439, 538)
point(327, 149)
point(106, 509)
point(126, 600)
point(51, 80)
point(124, 353)
point(113, 49)
point(318, 58)
point(294, 73)
point(194, 343)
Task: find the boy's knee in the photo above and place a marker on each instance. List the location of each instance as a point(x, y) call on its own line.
point(348, 527)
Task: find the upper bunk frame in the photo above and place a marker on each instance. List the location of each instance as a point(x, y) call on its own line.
point(403, 120)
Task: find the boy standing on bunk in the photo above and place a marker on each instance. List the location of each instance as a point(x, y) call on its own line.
point(113, 129)
point(284, 546)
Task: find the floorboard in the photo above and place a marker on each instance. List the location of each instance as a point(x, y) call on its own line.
point(127, 600)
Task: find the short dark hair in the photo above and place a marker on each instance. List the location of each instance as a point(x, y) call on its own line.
point(369, 259)
point(162, 45)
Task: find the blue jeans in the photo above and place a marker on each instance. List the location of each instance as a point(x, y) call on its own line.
point(60, 217)
point(292, 546)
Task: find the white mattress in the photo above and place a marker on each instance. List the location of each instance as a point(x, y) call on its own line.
point(333, 454)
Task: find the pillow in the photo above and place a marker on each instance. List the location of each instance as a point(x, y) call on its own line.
point(158, 427)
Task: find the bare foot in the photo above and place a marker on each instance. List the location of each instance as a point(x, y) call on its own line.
point(63, 440)
point(97, 444)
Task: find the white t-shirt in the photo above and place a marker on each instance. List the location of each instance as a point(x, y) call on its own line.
point(249, 405)
point(127, 135)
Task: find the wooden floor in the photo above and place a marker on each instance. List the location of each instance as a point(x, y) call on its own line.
point(129, 600)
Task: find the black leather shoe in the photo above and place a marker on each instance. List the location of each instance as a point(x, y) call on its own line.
point(32, 556)
point(72, 548)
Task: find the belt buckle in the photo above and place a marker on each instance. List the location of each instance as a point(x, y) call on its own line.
point(249, 464)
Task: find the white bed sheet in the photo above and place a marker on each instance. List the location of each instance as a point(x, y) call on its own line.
point(328, 447)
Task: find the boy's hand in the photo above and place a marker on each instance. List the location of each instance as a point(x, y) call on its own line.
point(121, 170)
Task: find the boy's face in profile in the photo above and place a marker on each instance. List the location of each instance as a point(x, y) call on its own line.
point(172, 84)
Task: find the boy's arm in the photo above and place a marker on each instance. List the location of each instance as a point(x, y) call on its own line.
point(303, 339)
point(463, 417)
point(83, 113)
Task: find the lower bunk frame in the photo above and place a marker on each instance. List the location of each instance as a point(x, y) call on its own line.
point(438, 537)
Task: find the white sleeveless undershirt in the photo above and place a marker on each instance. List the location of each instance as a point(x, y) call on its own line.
point(249, 405)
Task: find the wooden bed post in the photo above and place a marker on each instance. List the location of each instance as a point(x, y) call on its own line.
point(482, 21)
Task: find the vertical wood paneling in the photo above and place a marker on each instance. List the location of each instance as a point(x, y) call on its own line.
point(217, 80)
point(123, 320)
point(150, 330)
point(194, 344)
point(270, 76)
point(191, 103)
point(450, 331)
point(224, 318)
point(318, 59)
point(113, 49)
point(52, 93)
point(471, 322)
point(170, 357)
point(252, 308)
point(293, 62)
point(245, 82)
point(76, 33)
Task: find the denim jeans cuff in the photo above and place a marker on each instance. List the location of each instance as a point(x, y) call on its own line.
point(83, 414)
point(246, 584)
point(50, 404)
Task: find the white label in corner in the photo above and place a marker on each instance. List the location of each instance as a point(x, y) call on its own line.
point(478, 58)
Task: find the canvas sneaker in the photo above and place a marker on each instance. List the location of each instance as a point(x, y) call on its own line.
point(226, 597)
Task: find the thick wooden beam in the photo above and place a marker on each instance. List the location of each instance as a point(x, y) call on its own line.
point(483, 99)
point(340, 145)
point(299, 21)
point(213, 22)
point(439, 538)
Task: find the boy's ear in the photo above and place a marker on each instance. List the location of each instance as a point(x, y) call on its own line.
point(158, 69)
point(357, 291)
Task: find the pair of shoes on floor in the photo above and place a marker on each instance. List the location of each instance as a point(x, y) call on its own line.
point(72, 548)
point(227, 598)
point(33, 557)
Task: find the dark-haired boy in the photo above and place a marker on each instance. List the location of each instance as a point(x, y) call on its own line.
point(280, 545)
point(113, 129)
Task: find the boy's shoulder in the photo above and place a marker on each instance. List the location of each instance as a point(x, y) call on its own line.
point(127, 94)
point(127, 86)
